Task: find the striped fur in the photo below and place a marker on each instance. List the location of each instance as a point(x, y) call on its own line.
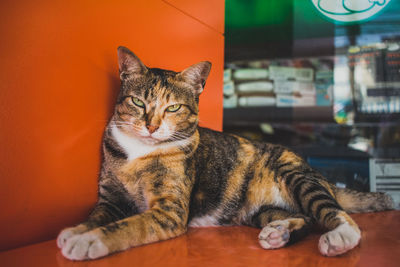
point(162, 173)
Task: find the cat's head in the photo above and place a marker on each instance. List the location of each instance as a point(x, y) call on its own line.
point(156, 105)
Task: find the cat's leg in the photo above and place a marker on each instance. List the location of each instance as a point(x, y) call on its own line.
point(314, 197)
point(102, 214)
point(279, 227)
point(167, 218)
point(110, 207)
point(342, 238)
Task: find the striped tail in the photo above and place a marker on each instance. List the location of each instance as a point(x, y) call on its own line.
point(355, 202)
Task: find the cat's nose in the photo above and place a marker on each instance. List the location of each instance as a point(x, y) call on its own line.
point(152, 128)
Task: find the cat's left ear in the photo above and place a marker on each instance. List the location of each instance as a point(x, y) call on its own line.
point(197, 75)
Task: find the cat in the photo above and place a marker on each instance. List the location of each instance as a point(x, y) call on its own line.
point(162, 173)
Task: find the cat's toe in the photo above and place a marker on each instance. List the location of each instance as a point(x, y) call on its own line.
point(63, 237)
point(83, 247)
point(339, 240)
point(272, 237)
point(67, 233)
point(69, 249)
point(97, 249)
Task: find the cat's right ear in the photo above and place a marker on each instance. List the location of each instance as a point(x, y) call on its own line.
point(197, 75)
point(129, 64)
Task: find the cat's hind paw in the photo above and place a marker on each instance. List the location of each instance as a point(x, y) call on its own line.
point(339, 240)
point(84, 247)
point(274, 235)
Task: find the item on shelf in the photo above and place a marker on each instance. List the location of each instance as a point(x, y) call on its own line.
point(227, 75)
point(295, 100)
point(254, 87)
point(290, 87)
point(250, 74)
point(229, 88)
point(385, 177)
point(256, 101)
point(286, 73)
point(324, 76)
point(388, 90)
point(392, 62)
point(323, 94)
point(343, 107)
point(389, 106)
point(258, 64)
point(324, 87)
point(230, 101)
point(380, 91)
point(368, 63)
point(381, 98)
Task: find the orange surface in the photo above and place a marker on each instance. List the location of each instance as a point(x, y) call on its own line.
point(210, 15)
point(235, 246)
point(59, 79)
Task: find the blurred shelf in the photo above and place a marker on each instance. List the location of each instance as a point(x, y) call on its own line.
point(378, 118)
point(256, 115)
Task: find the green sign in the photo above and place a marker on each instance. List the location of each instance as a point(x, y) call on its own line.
point(349, 11)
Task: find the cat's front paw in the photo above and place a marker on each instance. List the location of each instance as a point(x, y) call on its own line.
point(89, 245)
point(274, 235)
point(67, 233)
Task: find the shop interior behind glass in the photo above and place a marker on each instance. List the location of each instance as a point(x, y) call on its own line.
point(329, 91)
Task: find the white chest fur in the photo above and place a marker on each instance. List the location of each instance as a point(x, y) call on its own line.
point(134, 148)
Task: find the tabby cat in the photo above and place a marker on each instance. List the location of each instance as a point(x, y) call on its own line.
point(162, 173)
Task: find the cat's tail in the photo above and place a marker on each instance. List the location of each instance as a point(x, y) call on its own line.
point(354, 202)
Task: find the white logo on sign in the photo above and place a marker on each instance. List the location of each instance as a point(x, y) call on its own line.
point(349, 10)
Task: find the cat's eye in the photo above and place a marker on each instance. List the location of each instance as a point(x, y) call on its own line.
point(174, 108)
point(137, 102)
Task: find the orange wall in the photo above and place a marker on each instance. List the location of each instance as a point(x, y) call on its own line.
point(59, 79)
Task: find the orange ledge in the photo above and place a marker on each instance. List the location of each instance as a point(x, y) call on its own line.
point(234, 246)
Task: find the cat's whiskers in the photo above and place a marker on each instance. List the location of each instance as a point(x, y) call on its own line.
point(122, 122)
point(135, 129)
point(178, 137)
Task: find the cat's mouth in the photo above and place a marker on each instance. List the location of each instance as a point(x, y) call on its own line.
point(150, 140)
point(143, 135)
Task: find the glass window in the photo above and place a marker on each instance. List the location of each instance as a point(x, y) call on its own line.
point(322, 77)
